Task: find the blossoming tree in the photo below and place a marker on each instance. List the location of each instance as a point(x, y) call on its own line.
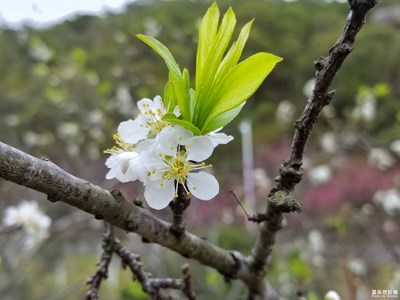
point(166, 147)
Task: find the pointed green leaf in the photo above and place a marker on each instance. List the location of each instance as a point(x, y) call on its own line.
point(177, 89)
point(234, 53)
point(207, 33)
point(169, 96)
point(243, 81)
point(228, 63)
point(169, 117)
point(163, 52)
point(222, 119)
point(217, 48)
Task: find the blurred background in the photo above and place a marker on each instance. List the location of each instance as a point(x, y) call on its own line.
point(66, 84)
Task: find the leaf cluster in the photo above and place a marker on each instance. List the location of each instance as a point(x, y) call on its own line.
point(222, 83)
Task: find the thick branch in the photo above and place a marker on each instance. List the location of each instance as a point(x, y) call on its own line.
point(46, 177)
point(290, 173)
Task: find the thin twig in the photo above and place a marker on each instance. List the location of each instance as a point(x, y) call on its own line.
point(187, 283)
point(258, 218)
point(5, 229)
point(178, 207)
point(290, 173)
point(240, 204)
point(153, 286)
point(102, 265)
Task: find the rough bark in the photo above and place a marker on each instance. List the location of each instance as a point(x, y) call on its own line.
point(290, 173)
point(46, 177)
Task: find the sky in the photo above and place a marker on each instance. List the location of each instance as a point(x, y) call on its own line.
point(41, 13)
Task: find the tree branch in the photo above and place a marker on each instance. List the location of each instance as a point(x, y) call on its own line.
point(178, 207)
point(46, 177)
point(290, 173)
point(102, 265)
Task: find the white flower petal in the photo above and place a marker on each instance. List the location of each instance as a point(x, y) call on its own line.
point(138, 167)
point(158, 104)
point(177, 111)
point(171, 136)
point(144, 145)
point(158, 197)
point(199, 148)
point(112, 161)
point(220, 138)
point(119, 167)
point(132, 131)
point(145, 105)
point(202, 185)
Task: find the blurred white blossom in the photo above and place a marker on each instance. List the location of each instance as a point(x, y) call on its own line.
point(309, 87)
point(285, 112)
point(316, 241)
point(394, 283)
point(390, 226)
point(357, 266)
point(34, 222)
point(37, 139)
point(365, 109)
point(68, 130)
point(332, 295)
point(40, 51)
point(261, 179)
point(389, 199)
point(395, 146)
point(152, 27)
point(329, 143)
point(316, 248)
point(320, 175)
point(380, 158)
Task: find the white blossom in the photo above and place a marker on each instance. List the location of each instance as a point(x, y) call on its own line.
point(308, 87)
point(320, 175)
point(395, 146)
point(358, 266)
point(332, 295)
point(365, 109)
point(163, 156)
point(329, 143)
point(33, 221)
point(219, 138)
point(389, 199)
point(285, 112)
point(124, 163)
point(172, 161)
point(316, 248)
point(380, 158)
point(148, 124)
point(261, 179)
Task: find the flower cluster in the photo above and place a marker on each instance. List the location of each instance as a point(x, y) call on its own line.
point(33, 221)
point(166, 145)
point(163, 156)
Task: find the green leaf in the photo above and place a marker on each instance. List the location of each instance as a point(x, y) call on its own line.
point(163, 52)
point(212, 55)
point(241, 84)
point(222, 119)
point(234, 53)
point(177, 88)
point(229, 62)
point(207, 34)
point(169, 117)
point(169, 95)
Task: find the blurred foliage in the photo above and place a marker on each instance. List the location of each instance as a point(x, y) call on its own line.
point(68, 86)
point(64, 89)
